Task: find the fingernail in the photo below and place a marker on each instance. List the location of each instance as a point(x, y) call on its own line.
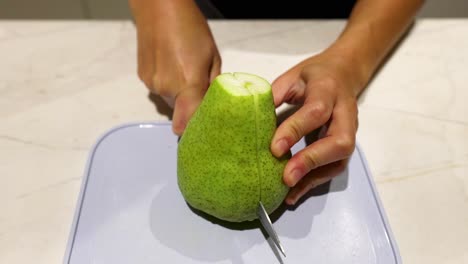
point(294, 177)
point(290, 200)
point(178, 128)
point(281, 147)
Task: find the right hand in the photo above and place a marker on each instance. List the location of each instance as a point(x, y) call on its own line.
point(177, 55)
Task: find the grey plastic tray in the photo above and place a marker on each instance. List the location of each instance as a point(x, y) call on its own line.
point(130, 210)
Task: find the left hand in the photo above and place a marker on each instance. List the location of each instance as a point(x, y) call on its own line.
point(326, 86)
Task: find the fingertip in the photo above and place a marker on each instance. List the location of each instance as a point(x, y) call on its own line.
point(292, 197)
point(278, 87)
point(283, 87)
point(287, 180)
point(290, 183)
point(185, 106)
point(290, 200)
point(177, 129)
point(180, 120)
point(215, 68)
point(277, 98)
point(214, 73)
point(292, 176)
point(279, 147)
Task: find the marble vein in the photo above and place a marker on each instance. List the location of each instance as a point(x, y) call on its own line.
point(47, 187)
point(16, 34)
point(262, 35)
point(412, 113)
point(41, 145)
point(421, 172)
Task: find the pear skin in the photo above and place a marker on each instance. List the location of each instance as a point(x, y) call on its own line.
point(224, 163)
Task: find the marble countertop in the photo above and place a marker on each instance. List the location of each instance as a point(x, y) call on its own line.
point(65, 83)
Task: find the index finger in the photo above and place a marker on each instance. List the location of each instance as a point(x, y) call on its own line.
point(338, 144)
point(186, 103)
point(315, 112)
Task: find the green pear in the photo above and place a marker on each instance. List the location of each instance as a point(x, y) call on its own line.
point(224, 164)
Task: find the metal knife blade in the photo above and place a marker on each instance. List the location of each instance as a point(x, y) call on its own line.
point(266, 223)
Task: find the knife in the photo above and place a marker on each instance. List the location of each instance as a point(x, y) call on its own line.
point(266, 223)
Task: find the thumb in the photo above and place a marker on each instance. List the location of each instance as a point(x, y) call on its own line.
point(188, 100)
point(186, 103)
point(288, 87)
point(215, 68)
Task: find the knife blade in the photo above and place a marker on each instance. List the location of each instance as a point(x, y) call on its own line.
point(266, 223)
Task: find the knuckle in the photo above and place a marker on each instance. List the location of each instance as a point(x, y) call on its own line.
point(317, 110)
point(194, 81)
point(310, 159)
point(329, 83)
point(295, 131)
point(161, 86)
point(191, 78)
point(345, 144)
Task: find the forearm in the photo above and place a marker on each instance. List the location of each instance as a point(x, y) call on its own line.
point(373, 29)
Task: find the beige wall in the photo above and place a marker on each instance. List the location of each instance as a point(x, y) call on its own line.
point(118, 9)
point(64, 9)
point(445, 8)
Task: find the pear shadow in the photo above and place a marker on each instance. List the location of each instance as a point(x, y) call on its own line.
point(203, 237)
point(314, 201)
point(245, 225)
point(240, 226)
point(296, 221)
point(161, 106)
point(337, 184)
point(273, 247)
point(196, 235)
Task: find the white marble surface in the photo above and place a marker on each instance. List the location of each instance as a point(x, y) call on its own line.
point(64, 83)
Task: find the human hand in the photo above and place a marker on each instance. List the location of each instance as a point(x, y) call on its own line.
point(326, 86)
point(177, 55)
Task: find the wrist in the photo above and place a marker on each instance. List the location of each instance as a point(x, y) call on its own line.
point(352, 68)
point(356, 52)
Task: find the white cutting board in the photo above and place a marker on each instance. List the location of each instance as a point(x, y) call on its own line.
point(130, 210)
